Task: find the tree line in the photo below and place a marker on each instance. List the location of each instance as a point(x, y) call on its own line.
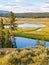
point(28, 15)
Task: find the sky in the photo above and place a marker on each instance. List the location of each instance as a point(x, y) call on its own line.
point(21, 6)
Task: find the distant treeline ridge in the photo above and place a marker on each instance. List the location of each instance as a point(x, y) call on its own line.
point(28, 15)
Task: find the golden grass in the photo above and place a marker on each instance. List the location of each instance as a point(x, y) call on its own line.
point(44, 30)
point(35, 20)
point(23, 20)
point(39, 51)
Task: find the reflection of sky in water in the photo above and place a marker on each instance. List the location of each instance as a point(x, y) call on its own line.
point(24, 42)
point(25, 25)
point(47, 43)
point(6, 26)
point(31, 25)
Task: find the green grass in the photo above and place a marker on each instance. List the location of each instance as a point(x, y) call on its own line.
point(31, 32)
point(32, 36)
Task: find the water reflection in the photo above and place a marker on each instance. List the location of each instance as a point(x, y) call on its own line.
point(24, 42)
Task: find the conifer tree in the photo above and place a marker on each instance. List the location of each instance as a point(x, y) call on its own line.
point(12, 20)
point(1, 33)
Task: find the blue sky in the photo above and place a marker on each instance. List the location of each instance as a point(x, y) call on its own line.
point(21, 6)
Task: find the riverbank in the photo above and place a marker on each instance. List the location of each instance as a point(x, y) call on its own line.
point(32, 33)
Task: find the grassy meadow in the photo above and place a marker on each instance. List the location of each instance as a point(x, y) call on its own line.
point(24, 32)
point(43, 34)
point(38, 55)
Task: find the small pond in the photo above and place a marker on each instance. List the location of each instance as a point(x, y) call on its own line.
point(27, 25)
point(24, 42)
point(33, 25)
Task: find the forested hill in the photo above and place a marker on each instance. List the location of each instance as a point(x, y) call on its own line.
point(29, 15)
point(34, 15)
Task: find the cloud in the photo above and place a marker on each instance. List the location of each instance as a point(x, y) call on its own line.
point(19, 0)
point(22, 9)
point(21, 6)
point(18, 9)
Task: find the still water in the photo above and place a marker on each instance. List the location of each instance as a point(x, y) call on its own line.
point(24, 42)
point(33, 25)
point(26, 25)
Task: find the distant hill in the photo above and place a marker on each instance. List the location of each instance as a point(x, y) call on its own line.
point(34, 15)
point(25, 15)
point(4, 12)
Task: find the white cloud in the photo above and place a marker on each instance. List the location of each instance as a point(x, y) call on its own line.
point(44, 7)
point(19, 0)
point(16, 0)
point(20, 8)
